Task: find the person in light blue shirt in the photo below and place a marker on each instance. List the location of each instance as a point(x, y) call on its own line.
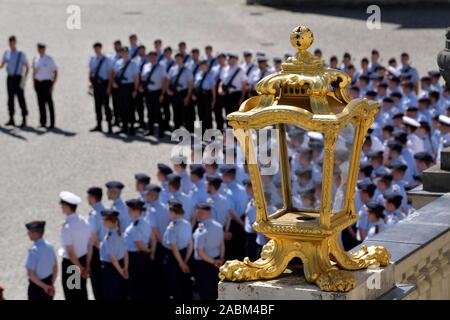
point(198, 193)
point(133, 45)
point(205, 94)
point(140, 60)
point(114, 190)
point(140, 243)
point(239, 198)
point(161, 174)
point(179, 166)
point(41, 264)
point(251, 247)
point(220, 203)
point(99, 67)
point(17, 69)
point(98, 231)
point(114, 92)
point(209, 251)
point(179, 245)
point(125, 78)
point(141, 179)
point(114, 257)
point(174, 185)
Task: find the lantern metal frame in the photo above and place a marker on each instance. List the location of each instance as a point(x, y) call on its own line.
point(306, 94)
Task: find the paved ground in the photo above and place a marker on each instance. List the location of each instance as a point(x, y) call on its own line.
point(35, 165)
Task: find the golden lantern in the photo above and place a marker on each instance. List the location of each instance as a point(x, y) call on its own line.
point(308, 95)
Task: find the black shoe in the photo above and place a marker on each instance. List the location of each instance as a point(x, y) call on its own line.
point(51, 127)
point(149, 133)
point(10, 122)
point(132, 132)
point(24, 123)
point(97, 128)
point(110, 130)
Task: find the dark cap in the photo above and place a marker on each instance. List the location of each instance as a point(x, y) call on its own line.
point(164, 169)
point(115, 185)
point(423, 156)
point(393, 196)
point(142, 177)
point(36, 225)
point(109, 213)
point(247, 182)
point(375, 154)
point(307, 192)
point(398, 165)
point(135, 204)
point(152, 187)
point(395, 146)
point(214, 180)
point(303, 170)
point(375, 207)
point(176, 204)
point(203, 206)
point(388, 100)
point(41, 45)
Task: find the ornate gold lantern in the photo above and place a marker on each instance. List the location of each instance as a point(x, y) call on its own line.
point(308, 95)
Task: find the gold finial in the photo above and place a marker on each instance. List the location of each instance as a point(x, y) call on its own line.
point(302, 38)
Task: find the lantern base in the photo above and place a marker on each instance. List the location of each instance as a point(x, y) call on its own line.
point(324, 262)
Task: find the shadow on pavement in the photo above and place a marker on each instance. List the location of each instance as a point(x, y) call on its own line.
point(62, 132)
point(33, 130)
point(139, 138)
point(11, 133)
point(409, 16)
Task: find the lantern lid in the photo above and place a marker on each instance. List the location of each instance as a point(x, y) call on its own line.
point(305, 82)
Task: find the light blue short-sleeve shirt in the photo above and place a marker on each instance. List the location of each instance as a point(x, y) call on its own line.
point(208, 236)
point(41, 259)
point(138, 230)
point(11, 58)
point(112, 245)
point(178, 232)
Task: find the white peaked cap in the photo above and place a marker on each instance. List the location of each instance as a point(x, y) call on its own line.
point(411, 122)
point(69, 197)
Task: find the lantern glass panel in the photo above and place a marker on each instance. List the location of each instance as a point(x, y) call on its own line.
point(305, 150)
point(342, 160)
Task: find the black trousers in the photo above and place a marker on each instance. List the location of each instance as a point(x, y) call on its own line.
point(204, 100)
point(101, 101)
point(178, 107)
point(36, 293)
point(251, 247)
point(95, 274)
point(126, 106)
point(69, 278)
point(206, 280)
point(116, 105)
point(234, 248)
point(232, 101)
point(44, 96)
point(114, 286)
point(166, 112)
point(14, 89)
point(219, 107)
point(178, 283)
point(159, 276)
point(139, 107)
point(140, 270)
point(189, 116)
point(154, 110)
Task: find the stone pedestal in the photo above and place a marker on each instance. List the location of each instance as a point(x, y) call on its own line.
point(291, 285)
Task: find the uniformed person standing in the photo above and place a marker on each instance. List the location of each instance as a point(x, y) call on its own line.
point(16, 62)
point(114, 258)
point(179, 245)
point(220, 99)
point(41, 265)
point(193, 65)
point(140, 245)
point(142, 179)
point(99, 67)
point(257, 75)
point(125, 77)
point(167, 62)
point(45, 74)
point(75, 236)
point(249, 67)
point(233, 84)
point(140, 60)
point(209, 251)
point(251, 247)
point(205, 94)
point(114, 190)
point(154, 84)
point(180, 90)
point(114, 92)
point(94, 199)
point(158, 218)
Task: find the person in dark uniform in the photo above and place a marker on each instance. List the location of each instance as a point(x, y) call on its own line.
point(233, 84)
point(180, 90)
point(209, 251)
point(94, 198)
point(114, 92)
point(178, 243)
point(140, 60)
point(205, 94)
point(167, 62)
point(114, 258)
point(45, 74)
point(154, 83)
point(125, 77)
point(16, 62)
point(99, 67)
point(140, 243)
point(41, 265)
point(75, 235)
